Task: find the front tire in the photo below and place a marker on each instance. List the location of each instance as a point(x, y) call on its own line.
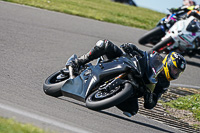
point(52, 85)
point(153, 36)
point(162, 45)
point(96, 102)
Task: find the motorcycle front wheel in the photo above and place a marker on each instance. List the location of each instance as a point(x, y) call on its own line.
point(52, 85)
point(153, 36)
point(101, 99)
point(162, 45)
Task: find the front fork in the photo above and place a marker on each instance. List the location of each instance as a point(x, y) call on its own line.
point(130, 77)
point(71, 75)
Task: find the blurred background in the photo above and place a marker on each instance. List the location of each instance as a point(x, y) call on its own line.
point(157, 5)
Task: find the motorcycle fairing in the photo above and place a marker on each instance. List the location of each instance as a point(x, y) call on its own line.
point(73, 88)
point(182, 41)
point(81, 86)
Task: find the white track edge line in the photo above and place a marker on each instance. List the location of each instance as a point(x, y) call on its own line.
point(42, 119)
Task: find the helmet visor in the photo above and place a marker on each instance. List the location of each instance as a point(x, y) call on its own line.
point(173, 70)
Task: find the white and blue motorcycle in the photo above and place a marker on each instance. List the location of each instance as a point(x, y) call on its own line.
point(183, 37)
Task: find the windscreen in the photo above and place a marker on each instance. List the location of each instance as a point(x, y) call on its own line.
point(156, 62)
point(155, 66)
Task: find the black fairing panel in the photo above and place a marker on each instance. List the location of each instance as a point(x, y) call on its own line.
point(82, 85)
point(73, 88)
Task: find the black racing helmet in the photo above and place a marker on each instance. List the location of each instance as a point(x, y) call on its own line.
point(174, 65)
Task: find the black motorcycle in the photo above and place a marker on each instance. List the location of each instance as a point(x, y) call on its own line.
point(109, 82)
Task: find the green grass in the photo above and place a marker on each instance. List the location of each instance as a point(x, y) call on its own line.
point(11, 126)
point(191, 103)
point(103, 10)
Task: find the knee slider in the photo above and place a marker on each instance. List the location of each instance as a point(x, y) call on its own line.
point(100, 44)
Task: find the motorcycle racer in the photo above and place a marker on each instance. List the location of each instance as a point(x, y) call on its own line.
point(181, 12)
point(184, 9)
point(174, 65)
point(189, 2)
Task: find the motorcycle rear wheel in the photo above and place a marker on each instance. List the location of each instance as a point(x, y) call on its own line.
point(153, 36)
point(52, 85)
point(99, 101)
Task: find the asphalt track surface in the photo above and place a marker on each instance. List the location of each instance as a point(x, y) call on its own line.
point(35, 43)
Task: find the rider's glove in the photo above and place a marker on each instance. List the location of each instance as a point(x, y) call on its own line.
point(172, 10)
point(126, 47)
point(131, 48)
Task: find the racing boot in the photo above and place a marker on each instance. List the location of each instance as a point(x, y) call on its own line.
point(127, 114)
point(76, 63)
point(129, 107)
point(103, 48)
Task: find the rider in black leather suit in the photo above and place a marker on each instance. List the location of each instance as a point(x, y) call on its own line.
point(107, 49)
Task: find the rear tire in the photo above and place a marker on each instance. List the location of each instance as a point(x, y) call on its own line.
point(99, 104)
point(162, 44)
point(52, 86)
point(153, 36)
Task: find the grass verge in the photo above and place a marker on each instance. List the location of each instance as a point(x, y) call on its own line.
point(187, 107)
point(11, 126)
point(103, 10)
